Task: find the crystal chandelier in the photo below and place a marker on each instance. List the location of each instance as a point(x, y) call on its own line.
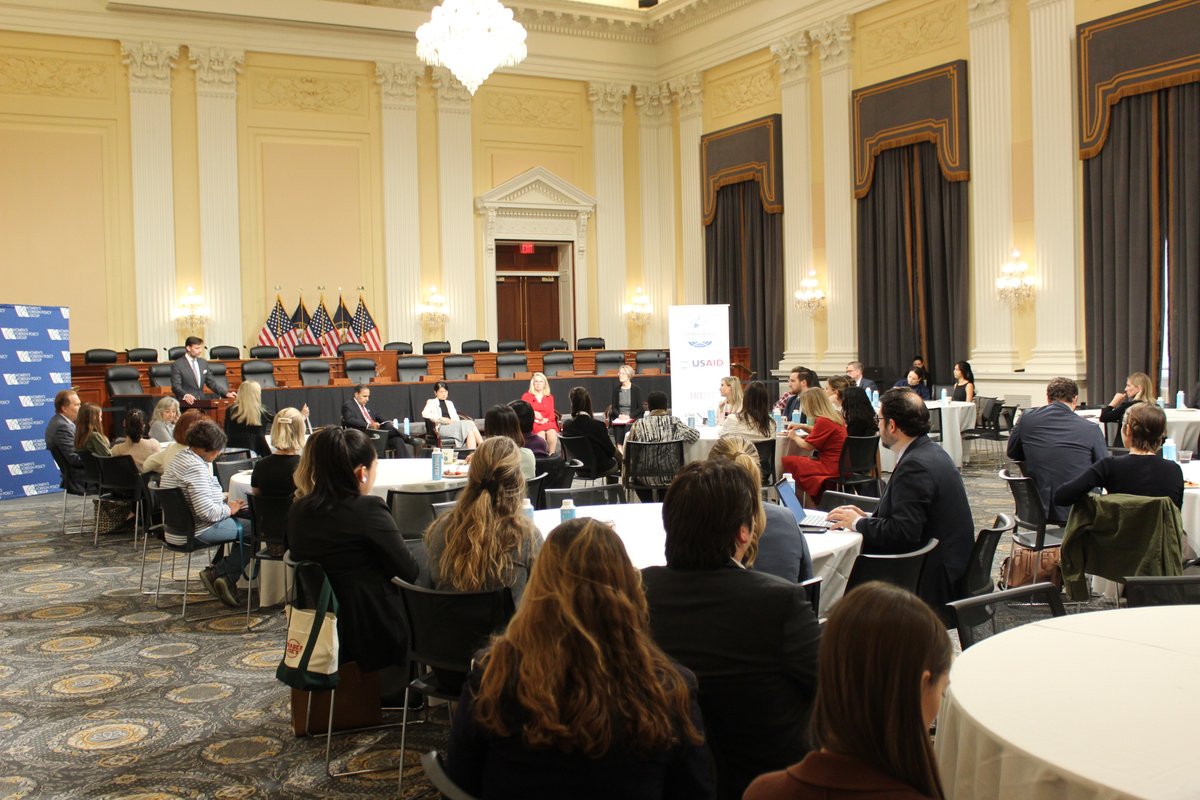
point(1014, 286)
point(639, 308)
point(809, 297)
point(471, 38)
point(191, 315)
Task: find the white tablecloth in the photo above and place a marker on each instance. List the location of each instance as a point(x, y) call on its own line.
point(956, 418)
point(1183, 425)
point(1088, 706)
point(410, 474)
point(640, 527)
point(699, 449)
point(1191, 504)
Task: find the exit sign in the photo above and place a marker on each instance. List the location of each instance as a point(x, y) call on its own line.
point(526, 248)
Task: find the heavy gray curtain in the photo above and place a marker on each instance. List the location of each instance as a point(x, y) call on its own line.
point(1183, 234)
point(912, 264)
point(743, 266)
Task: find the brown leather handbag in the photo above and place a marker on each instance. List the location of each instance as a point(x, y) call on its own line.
point(1027, 566)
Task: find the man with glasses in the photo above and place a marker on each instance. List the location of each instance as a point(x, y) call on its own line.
point(925, 499)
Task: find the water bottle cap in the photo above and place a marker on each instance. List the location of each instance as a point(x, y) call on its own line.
point(568, 503)
point(526, 502)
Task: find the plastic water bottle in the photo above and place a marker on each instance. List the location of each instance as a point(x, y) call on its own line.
point(527, 507)
point(567, 511)
point(945, 394)
point(712, 418)
point(1160, 403)
point(875, 397)
point(437, 465)
point(796, 416)
point(1180, 400)
point(407, 427)
point(691, 419)
point(1169, 451)
point(778, 417)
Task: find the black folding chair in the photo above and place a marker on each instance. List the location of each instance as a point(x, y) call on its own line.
point(902, 569)
point(604, 494)
point(651, 466)
point(179, 522)
point(1160, 590)
point(999, 611)
point(270, 527)
point(120, 482)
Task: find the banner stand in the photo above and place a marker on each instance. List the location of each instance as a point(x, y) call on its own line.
point(699, 339)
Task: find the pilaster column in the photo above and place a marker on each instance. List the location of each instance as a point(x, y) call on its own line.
point(688, 94)
point(1055, 262)
point(656, 174)
point(608, 115)
point(990, 88)
point(833, 40)
point(455, 207)
point(150, 66)
point(220, 229)
point(401, 205)
point(791, 58)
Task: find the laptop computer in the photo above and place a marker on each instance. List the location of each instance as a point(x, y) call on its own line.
point(809, 519)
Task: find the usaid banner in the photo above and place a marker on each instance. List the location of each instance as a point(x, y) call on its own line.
point(699, 337)
point(35, 363)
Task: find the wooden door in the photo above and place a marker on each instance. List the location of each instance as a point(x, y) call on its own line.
point(527, 308)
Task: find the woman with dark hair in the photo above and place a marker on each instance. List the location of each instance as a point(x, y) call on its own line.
point(575, 699)
point(835, 389)
point(582, 423)
point(501, 420)
point(337, 522)
point(858, 413)
point(89, 431)
point(485, 541)
point(159, 461)
point(917, 381)
point(825, 437)
point(754, 420)
point(870, 726)
point(440, 410)
point(136, 443)
point(1143, 431)
point(964, 382)
point(247, 422)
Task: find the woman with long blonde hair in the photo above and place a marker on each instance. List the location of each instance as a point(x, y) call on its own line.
point(825, 436)
point(731, 397)
point(1139, 388)
point(575, 699)
point(274, 475)
point(485, 541)
point(545, 420)
point(248, 421)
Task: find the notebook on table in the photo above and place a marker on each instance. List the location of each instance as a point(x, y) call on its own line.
point(809, 519)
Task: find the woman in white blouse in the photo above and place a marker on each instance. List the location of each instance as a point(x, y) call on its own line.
point(441, 412)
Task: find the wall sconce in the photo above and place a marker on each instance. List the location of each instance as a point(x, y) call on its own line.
point(639, 309)
point(1014, 286)
point(809, 297)
point(433, 310)
point(191, 315)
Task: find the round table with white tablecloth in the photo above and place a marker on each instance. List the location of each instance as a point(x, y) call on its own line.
point(1183, 425)
point(957, 416)
point(1113, 718)
point(640, 527)
point(1191, 503)
point(700, 449)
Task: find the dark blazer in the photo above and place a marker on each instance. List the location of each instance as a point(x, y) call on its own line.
point(1117, 415)
point(597, 435)
point(353, 418)
point(636, 407)
point(1056, 445)
point(183, 380)
point(868, 385)
point(360, 548)
point(252, 436)
point(752, 640)
point(60, 441)
point(792, 404)
point(925, 499)
point(504, 767)
point(782, 548)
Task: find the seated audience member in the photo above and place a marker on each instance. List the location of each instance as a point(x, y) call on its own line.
point(545, 420)
point(247, 422)
point(534, 443)
point(754, 420)
point(858, 413)
point(89, 431)
point(485, 541)
point(870, 726)
point(731, 397)
point(501, 420)
point(799, 379)
point(626, 404)
point(191, 471)
point(337, 522)
point(917, 380)
point(274, 475)
point(582, 423)
point(1139, 388)
point(356, 414)
point(835, 388)
point(778, 547)
point(1142, 472)
point(964, 383)
point(825, 436)
point(452, 430)
point(925, 499)
point(855, 371)
point(136, 444)
point(60, 438)
point(158, 462)
point(751, 638)
point(162, 421)
point(659, 425)
point(1056, 445)
point(575, 699)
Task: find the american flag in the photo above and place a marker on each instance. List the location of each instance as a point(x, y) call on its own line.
point(364, 327)
point(321, 329)
point(300, 322)
point(277, 331)
point(344, 322)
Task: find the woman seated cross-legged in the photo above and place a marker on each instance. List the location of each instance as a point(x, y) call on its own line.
point(452, 430)
point(575, 699)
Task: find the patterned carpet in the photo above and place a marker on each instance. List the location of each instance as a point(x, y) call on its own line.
point(101, 695)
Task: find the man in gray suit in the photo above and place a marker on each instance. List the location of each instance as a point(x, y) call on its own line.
point(1056, 444)
point(189, 374)
point(60, 439)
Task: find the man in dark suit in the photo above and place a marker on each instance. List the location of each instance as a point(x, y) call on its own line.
point(855, 370)
point(189, 374)
point(1055, 444)
point(60, 440)
point(925, 499)
point(751, 638)
point(355, 414)
point(799, 379)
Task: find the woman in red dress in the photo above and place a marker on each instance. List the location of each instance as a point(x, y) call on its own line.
point(545, 421)
point(826, 436)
